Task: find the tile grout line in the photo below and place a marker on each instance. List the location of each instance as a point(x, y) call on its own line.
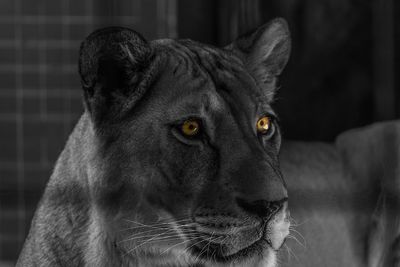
point(42, 57)
point(19, 124)
point(65, 34)
point(66, 19)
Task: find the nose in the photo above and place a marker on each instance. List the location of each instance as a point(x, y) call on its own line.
point(262, 208)
point(258, 179)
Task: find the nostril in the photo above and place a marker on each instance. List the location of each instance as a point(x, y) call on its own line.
point(262, 208)
point(274, 206)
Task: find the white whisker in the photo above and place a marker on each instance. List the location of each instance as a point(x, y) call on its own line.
point(290, 252)
point(295, 224)
point(297, 232)
point(158, 224)
point(140, 236)
point(294, 238)
point(188, 248)
point(175, 246)
point(155, 226)
point(155, 237)
point(201, 252)
point(160, 237)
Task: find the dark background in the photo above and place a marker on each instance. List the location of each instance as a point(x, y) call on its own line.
point(341, 74)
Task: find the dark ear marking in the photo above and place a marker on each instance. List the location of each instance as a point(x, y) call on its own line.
point(112, 62)
point(265, 51)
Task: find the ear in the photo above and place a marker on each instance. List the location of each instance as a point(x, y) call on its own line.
point(112, 64)
point(265, 52)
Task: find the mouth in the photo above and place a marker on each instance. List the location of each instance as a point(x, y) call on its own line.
point(204, 249)
point(218, 252)
point(255, 242)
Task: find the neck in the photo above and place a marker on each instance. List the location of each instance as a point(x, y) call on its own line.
point(61, 230)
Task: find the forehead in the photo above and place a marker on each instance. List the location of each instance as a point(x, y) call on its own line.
point(211, 76)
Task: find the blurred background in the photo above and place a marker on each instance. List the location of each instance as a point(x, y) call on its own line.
point(341, 74)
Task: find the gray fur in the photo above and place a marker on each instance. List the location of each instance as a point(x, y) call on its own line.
point(126, 160)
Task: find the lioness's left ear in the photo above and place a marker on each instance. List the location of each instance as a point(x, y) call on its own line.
point(265, 51)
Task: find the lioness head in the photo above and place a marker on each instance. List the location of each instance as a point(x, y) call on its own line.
point(185, 168)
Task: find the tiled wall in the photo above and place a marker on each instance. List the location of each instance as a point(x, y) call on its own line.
point(40, 96)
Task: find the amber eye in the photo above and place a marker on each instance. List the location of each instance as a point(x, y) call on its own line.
point(263, 124)
point(190, 127)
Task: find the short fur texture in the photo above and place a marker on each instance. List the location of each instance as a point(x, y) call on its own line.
point(130, 189)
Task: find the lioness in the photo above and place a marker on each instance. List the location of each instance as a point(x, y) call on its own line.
point(175, 159)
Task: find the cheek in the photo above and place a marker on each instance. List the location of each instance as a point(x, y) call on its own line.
point(274, 143)
point(171, 174)
point(189, 165)
point(111, 188)
point(181, 172)
point(278, 139)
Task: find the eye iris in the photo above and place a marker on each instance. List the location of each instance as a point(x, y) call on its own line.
point(263, 124)
point(190, 128)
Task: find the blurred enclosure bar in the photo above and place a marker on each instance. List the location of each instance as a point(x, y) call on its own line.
point(341, 74)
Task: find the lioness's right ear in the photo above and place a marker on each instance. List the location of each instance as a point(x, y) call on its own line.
point(265, 52)
point(112, 63)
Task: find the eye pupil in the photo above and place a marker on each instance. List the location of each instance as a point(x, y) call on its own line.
point(263, 125)
point(190, 127)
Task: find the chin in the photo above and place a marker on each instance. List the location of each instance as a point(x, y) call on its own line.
point(258, 254)
point(245, 251)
